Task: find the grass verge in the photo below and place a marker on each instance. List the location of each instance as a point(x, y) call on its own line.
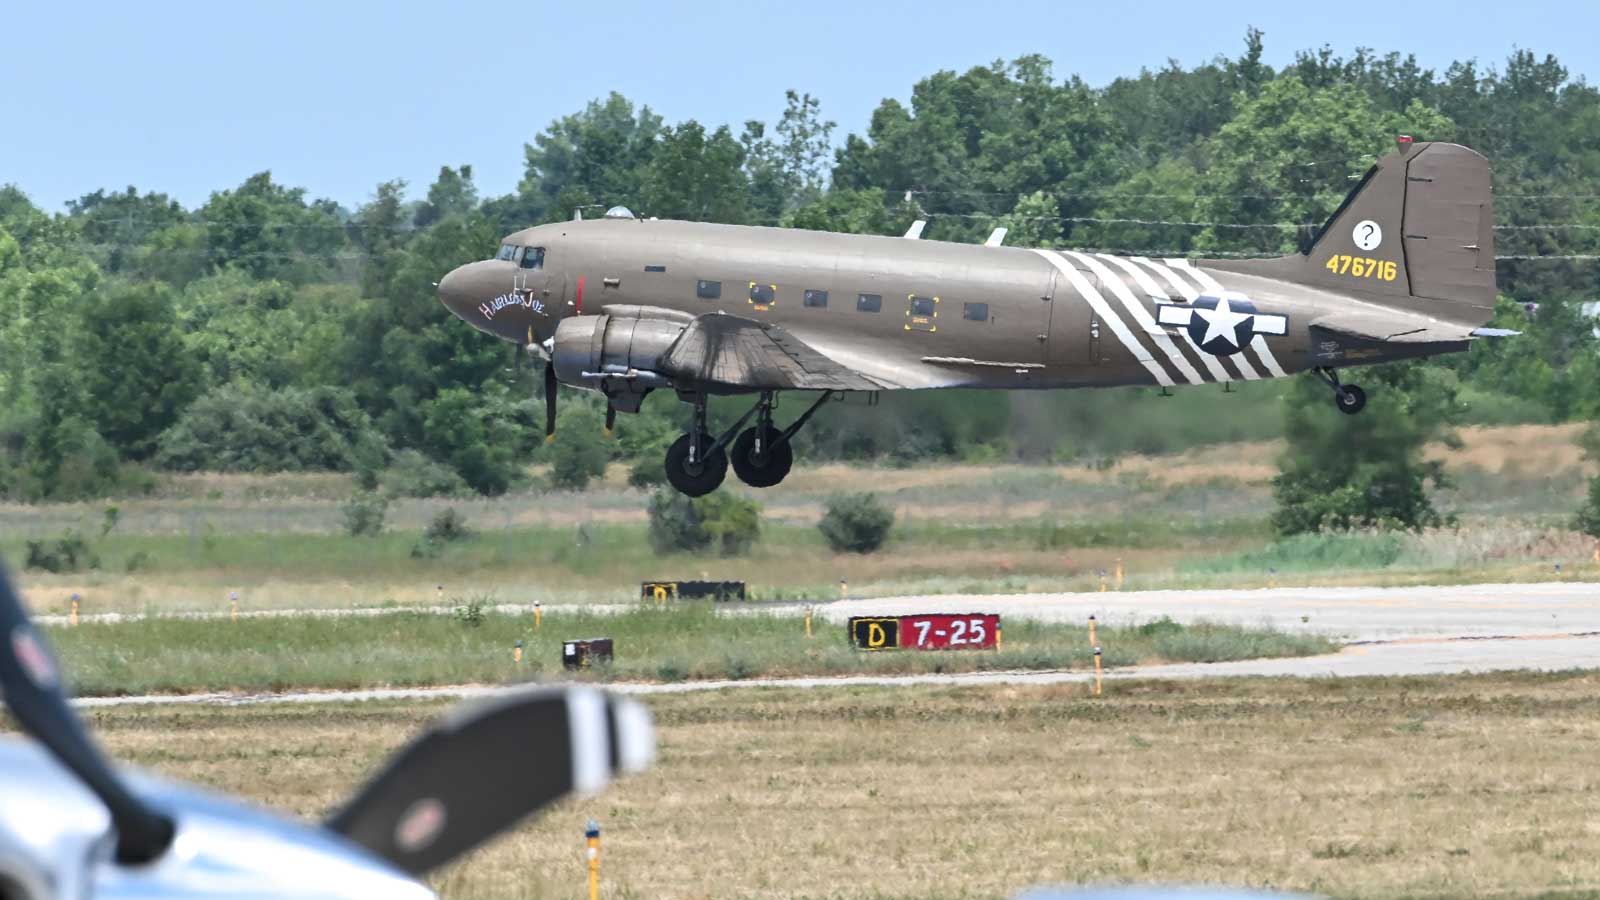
point(671, 643)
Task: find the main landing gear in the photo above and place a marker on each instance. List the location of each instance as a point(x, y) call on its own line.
point(1350, 398)
point(761, 454)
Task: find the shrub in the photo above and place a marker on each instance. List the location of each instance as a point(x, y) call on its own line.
point(577, 456)
point(413, 474)
point(858, 523)
point(648, 471)
point(445, 527)
point(69, 553)
point(364, 513)
point(1589, 515)
point(722, 521)
point(240, 428)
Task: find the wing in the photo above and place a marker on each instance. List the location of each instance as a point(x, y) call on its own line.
point(739, 352)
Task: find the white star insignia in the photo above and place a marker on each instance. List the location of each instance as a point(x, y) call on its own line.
point(1221, 322)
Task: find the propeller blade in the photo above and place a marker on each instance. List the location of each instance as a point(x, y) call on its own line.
point(611, 418)
point(31, 683)
point(550, 385)
point(484, 767)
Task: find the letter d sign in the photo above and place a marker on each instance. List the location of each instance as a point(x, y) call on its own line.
point(875, 635)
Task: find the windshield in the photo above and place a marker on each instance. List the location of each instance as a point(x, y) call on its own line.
point(534, 258)
point(507, 251)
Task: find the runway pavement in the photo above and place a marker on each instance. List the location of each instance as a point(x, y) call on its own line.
point(1389, 631)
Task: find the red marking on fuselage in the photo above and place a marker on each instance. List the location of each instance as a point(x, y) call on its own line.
point(578, 302)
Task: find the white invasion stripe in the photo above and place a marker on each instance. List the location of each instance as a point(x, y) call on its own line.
point(1103, 310)
point(1218, 373)
point(1267, 359)
point(591, 750)
point(1141, 316)
point(1259, 344)
point(1205, 280)
point(1182, 286)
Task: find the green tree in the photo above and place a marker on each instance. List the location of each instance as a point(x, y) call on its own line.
point(1365, 471)
point(135, 372)
point(695, 175)
point(482, 448)
point(595, 156)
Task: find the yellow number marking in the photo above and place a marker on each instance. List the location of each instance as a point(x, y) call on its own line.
point(1363, 267)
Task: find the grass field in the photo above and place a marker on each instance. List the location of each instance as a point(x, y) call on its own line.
point(406, 649)
point(1472, 786)
point(1193, 519)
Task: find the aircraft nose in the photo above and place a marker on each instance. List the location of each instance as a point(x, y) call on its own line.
point(455, 295)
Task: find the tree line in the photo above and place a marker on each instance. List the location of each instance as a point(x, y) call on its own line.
point(266, 330)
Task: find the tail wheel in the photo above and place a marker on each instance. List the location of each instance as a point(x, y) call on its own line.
point(1351, 399)
point(766, 467)
point(701, 476)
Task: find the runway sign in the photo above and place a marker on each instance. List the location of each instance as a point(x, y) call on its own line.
point(930, 631)
point(582, 654)
point(662, 591)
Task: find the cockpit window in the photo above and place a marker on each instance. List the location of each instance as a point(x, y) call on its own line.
point(534, 258)
point(507, 251)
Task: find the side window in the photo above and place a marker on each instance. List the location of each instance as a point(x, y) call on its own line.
point(708, 290)
point(922, 306)
point(975, 312)
point(534, 258)
point(763, 295)
point(817, 299)
point(869, 302)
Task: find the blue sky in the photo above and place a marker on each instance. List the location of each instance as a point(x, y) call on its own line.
point(337, 95)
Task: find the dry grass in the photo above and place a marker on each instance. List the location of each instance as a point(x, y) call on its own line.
point(1467, 786)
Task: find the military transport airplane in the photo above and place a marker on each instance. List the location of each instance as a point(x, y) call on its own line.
point(1404, 268)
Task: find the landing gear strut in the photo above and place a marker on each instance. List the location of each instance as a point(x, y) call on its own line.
point(762, 455)
point(1350, 398)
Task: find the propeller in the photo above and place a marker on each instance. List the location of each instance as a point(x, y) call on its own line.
point(482, 768)
point(31, 683)
point(550, 385)
point(611, 419)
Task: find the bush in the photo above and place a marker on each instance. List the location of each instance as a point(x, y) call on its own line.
point(722, 521)
point(70, 553)
point(239, 428)
point(577, 456)
point(445, 527)
point(413, 474)
point(648, 471)
point(364, 513)
point(858, 523)
point(1589, 515)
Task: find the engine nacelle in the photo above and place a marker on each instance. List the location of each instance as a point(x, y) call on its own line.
point(615, 353)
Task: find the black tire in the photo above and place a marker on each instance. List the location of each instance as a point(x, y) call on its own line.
point(765, 472)
point(1350, 399)
point(700, 479)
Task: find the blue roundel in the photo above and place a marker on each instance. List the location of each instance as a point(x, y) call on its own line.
point(1222, 325)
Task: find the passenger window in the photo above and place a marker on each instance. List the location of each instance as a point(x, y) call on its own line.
point(708, 290)
point(975, 312)
point(923, 306)
point(534, 258)
point(869, 302)
point(507, 251)
point(817, 299)
point(763, 295)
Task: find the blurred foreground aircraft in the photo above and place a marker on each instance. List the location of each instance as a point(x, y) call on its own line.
point(1403, 269)
point(71, 826)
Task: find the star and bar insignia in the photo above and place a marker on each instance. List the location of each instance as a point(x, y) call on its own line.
point(1223, 325)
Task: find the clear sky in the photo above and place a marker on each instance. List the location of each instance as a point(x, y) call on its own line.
point(337, 95)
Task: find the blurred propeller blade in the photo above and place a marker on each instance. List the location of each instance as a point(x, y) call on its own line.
point(484, 767)
point(550, 385)
point(611, 418)
point(31, 683)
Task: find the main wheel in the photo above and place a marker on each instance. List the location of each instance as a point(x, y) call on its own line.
point(767, 468)
point(1350, 399)
point(700, 477)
